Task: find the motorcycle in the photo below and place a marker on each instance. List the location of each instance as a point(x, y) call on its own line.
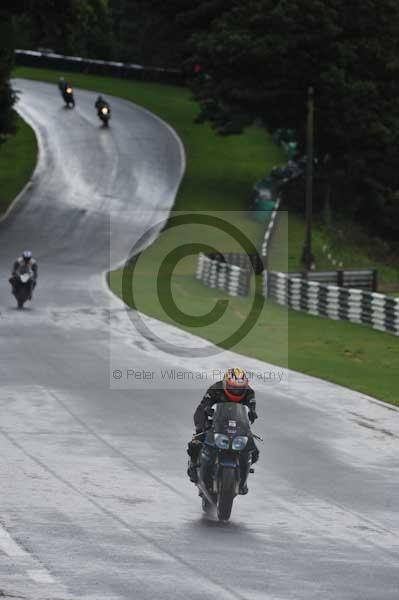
point(23, 287)
point(67, 94)
point(225, 458)
point(104, 114)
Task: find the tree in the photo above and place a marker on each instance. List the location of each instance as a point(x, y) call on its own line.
point(186, 18)
point(7, 95)
point(261, 55)
point(146, 32)
point(77, 27)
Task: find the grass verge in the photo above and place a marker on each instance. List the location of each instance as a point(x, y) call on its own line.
point(349, 244)
point(220, 174)
point(18, 155)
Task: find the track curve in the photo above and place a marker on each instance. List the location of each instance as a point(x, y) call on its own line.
point(97, 504)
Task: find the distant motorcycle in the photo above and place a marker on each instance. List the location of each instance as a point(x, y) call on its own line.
point(67, 94)
point(23, 287)
point(225, 458)
point(104, 114)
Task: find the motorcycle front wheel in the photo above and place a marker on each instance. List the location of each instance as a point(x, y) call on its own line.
point(21, 296)
point(227, 487)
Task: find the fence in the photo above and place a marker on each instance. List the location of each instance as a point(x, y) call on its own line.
point(364, 279)
point(49, 60)
point(217, 273)
point(357, 306)
point(244, 261)
point(269, 230)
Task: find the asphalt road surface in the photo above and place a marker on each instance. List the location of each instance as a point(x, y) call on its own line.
point(94, 499)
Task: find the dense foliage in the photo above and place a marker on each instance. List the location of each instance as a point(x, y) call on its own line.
point(143, 34)
point(7, 97)
point(254, 60)
point(77, 27)
point(258, 59)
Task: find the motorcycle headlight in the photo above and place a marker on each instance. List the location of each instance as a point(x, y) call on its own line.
point(104, 110)
point(222, 441)
point(69, 90)
point(239, 442)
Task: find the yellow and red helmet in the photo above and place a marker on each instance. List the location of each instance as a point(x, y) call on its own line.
point(235, 384)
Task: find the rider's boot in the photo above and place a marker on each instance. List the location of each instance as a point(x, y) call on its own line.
point(192, 472)
point(245, 466)
point(243, 489)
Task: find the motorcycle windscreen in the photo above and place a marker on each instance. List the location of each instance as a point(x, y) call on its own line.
point(232, 418)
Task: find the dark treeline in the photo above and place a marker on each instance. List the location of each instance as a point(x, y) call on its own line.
point(257, 59)
point(77, 27)
point(131, 31)
point(262, 55)
point(7, 97)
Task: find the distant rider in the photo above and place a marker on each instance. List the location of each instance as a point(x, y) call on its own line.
point(63, 85)
point(101, 103)
point(24, 263)
point(233, 388)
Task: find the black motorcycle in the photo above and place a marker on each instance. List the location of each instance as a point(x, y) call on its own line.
point(104, 114)
point(67, 94)
point(23, 285)
point(225, 458)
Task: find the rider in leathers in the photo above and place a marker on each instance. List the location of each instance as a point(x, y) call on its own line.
point(101, 103)
point(63, 85)
point(234, 388)
point(23, 263)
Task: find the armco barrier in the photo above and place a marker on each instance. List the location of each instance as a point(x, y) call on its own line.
point(244, 261)
point(50, 60)
point(357, 306)
point(362, 279)
point(216, 273)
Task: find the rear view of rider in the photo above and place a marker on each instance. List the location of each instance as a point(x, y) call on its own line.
point(233, 388)
point(24, 263)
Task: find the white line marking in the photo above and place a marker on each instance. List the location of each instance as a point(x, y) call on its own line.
point(40, 576)
point(10, 546)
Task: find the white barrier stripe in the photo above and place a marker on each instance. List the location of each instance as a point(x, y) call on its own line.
point(270, 227)
point(93, 61)
point(354, 305)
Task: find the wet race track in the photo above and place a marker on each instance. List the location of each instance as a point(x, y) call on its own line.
point(95, 502)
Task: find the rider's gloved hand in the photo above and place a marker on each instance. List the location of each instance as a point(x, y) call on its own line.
point(252, 416)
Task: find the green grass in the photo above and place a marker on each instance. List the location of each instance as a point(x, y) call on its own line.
point(18, 156)
point(346, 353)
point(220, 174)
point(349, 244)
point(194, 299)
